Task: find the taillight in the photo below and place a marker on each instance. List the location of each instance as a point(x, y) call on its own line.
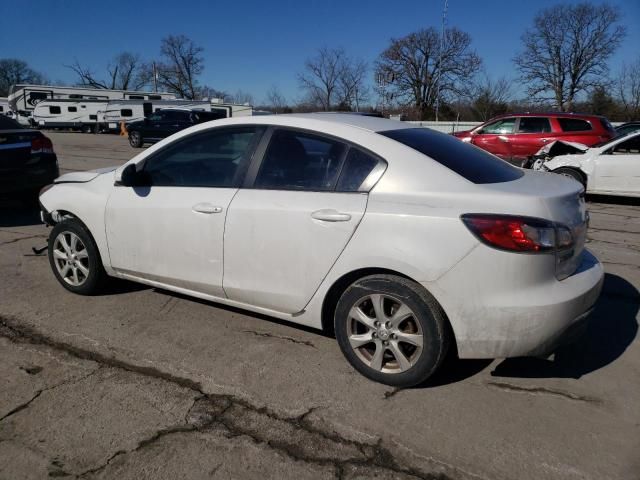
point(41, 145)
point(519, 234)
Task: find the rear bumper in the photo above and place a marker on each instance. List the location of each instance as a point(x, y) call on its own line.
point(30, 177)
point(528, 322)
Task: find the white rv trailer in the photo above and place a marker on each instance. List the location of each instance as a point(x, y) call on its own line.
point(82, 115)
point(230, 109)
point(4, 105)
point(133, 110)
point(26, 97)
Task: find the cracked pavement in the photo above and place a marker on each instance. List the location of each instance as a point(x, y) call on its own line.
point(143, 383)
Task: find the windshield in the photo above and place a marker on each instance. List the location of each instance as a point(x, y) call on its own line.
point(617, 137)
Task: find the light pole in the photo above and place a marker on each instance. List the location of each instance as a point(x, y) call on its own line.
point(442, 38)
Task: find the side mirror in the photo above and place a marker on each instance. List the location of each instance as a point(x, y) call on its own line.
point(128, 176)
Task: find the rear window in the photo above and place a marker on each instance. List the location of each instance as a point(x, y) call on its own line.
point(468, 161)
point(574, 125)
point(7, 123)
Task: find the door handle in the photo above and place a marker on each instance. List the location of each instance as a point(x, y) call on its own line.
point(206, 208)
point(502, 138)
point(330, 215)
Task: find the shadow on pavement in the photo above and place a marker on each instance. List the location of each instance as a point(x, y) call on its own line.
point(611, 330)
point(19, 212)
point(633, 201)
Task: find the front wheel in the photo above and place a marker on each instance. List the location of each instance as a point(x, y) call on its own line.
point(74, 258)
point(135, 139)
point(391, 330)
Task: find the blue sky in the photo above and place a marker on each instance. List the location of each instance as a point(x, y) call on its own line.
point(251, 45)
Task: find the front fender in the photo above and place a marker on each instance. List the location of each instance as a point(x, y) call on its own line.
point(87, 202)
point(580, 162)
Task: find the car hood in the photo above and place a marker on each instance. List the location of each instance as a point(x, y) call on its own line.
point(83, 176)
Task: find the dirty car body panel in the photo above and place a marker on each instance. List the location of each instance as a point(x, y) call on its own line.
point(257, 245)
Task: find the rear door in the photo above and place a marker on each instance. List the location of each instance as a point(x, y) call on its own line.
point(532, 134)
point(497, 137)
point(288, 227)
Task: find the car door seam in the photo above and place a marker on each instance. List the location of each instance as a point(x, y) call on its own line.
point(224, 240)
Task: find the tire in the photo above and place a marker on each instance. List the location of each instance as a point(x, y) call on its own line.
point(87, 129)
point(135, 139)
point(424, 323)
point(572, 173)
point(84, 273)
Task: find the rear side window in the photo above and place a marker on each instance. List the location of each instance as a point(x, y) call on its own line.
point(574, 125)
point(55, 110)
point(534, 125)
point(357, 167)
point(468, 161)
point(300, 161)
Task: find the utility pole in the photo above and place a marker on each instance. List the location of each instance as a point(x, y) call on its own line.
point(442, 40)
point(155, 78)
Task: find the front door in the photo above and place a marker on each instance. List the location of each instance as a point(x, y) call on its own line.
point(496, 137)
point(618, 169)
point(285, 232)
point(170, 228)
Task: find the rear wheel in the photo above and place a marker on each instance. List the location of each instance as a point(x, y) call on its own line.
point(574, 174)
point(135, 139)
point(391, 330)
point(75, 259)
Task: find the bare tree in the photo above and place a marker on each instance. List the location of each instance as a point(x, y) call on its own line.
point(125, 72)
point(181, 64)
point(566, 51)
point(332, 79)
point(14, 71)
point(208, 92)
point(629, 89)
point(242, 97)
point(490, 97)
point(414, 66)
point(276, 101)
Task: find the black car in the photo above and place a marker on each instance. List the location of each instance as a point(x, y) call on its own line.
point(27, 160)
point(627, 128)
point(163, 123)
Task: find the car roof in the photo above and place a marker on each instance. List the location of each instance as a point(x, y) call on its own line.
point(547, 114)
point(373, 124)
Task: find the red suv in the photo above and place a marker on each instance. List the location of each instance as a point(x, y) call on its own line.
point(516, 136)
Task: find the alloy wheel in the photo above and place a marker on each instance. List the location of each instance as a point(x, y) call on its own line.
point(71, 258)
point(384, 333)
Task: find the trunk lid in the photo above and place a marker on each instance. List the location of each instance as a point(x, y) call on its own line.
point(15, 148)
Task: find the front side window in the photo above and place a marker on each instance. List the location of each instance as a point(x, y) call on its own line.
point(55, 110)
point(534, 125)
point(574, 125)
point(215, 158)
point(300, 161)
point(504, 125)
point(631, 146)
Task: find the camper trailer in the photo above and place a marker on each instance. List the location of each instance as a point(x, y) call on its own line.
point(84, 115)
point(230, 109)
point(26, 97)
point(133, 110)
point(4, 105)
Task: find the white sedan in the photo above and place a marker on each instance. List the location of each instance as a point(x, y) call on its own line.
point(611, 168)
point(404, 241)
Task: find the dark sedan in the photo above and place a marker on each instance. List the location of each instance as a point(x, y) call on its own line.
point(27, 159)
